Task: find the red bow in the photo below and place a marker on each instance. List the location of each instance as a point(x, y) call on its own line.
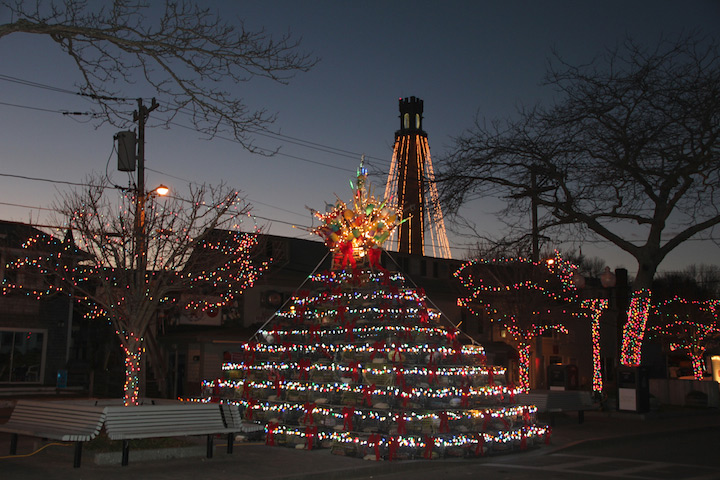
point(481, 442)
point(375, 439)
point(340, 317)
point(399, 376)
point(373, 255)
point(394, 445)
point(279, 379)
point(324, 351)
point(424, 316)
point(487, 416)
point(396, 356)
point(548, 432)
point(349, 330)
point(348, 413)
point(491, 377)
point(355, 373)
point(400, 419)
point(377, 346)
point(310, 433)
point(250, 353)
point(246, 389)
point(308, 418)
point(523, 439)
point(526, 415)
point(313, 331)
point(444, 424)
point(346, 252)
point(432, 371)
point(465, 398)
point(457, 346)
point(429, 444)
point(270, 436)
point(249, 409)
point(304, 365)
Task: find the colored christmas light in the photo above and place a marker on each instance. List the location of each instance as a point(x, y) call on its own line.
point(690, 326)
point(362, 363)
point(507, 299)
point(596, 307)
point(105, 275)
point(634, 329)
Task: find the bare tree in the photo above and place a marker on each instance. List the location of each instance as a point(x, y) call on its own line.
point(630, 146)
point(195, 257)
point(186, 55)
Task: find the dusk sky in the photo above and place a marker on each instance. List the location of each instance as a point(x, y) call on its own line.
point(463, 58)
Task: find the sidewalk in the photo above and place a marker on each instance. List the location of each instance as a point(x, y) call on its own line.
point(257, 461)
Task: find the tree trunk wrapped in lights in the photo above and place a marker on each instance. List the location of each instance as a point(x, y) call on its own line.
point(361, 363)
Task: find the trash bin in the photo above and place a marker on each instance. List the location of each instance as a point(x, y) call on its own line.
point(562, 377)
point(633, 389)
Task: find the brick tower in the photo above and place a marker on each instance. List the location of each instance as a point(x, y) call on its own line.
point(411, 187)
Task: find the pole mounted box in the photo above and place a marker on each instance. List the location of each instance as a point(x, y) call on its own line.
point(126, 150)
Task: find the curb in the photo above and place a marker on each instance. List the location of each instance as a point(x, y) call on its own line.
point(144, 455)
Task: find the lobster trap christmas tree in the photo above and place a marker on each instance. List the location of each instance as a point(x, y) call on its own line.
point(361, 363)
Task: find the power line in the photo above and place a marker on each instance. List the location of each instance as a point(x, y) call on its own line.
point(275, 135)
point(28, 206)
point(38, 179)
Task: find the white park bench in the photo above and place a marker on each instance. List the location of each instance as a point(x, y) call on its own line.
point(172, 420)
point(61, 421)
point(558, 401)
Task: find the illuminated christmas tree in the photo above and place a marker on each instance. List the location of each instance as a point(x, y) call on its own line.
point(688, 325)
point(528, 298)
point(184, 253)
point(361, 363)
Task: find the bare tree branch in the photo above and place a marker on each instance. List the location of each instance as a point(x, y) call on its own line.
point(632, 140)
point(187, 55)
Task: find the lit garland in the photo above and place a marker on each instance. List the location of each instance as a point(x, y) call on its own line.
point(596, 307)
point(555, 284)
point(360, 362)
point(634, 329)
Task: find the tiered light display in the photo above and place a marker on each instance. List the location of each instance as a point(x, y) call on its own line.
point(595, 307)
point(634, 329)
point(522, 295)
point(690, 325)
point(362, 364)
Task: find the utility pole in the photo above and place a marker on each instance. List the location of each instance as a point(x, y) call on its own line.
point(140, 116)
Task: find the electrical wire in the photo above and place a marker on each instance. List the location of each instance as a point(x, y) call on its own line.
point(6, 457)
